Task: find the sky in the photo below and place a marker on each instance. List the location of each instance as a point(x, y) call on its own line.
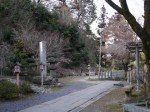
point(135, 6)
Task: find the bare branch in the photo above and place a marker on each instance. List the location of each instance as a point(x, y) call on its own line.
point(114, 6)
point(131, 19)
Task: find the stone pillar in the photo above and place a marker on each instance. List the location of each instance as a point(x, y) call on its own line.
point(53, 61)
point(42, 54)
point(128, 80)
point(130, 77)
point(101, 75)
point(105, 75)
point(111, 74)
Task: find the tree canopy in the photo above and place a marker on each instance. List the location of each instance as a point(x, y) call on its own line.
point(25, 23)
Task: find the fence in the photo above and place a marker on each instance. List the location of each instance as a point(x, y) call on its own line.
point(132, 77)
point(111, 75)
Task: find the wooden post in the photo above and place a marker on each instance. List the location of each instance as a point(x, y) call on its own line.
point(89, 68)
point(17, 72)
point(17, 79)
point(41, 69)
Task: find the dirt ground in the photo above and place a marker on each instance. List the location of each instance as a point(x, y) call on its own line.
point(67, 80)
point(112, 102)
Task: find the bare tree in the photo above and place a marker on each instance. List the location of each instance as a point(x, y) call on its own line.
point(118, 30)
point(31, 38)
point(120, 53)
point(83, 11)
point(86, 11)
point(64, 12)
point(116, 34)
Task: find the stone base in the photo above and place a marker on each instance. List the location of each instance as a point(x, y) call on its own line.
point(46, 80)
point(136, 107)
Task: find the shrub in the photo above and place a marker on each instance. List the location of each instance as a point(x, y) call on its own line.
point(25, 88)
point(8, 90)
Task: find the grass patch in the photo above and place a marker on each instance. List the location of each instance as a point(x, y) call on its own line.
point(25, 88)
point(8, 90)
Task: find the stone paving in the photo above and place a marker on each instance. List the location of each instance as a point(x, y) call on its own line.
point(73, 102)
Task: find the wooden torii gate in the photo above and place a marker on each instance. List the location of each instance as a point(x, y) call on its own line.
point(135, 47)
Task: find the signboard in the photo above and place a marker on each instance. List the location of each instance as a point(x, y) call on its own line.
point(17, 69)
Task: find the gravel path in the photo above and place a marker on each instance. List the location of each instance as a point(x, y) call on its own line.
point(14, 106)
point(75, 101)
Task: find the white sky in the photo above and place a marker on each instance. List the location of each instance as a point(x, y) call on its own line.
point(135, 6)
